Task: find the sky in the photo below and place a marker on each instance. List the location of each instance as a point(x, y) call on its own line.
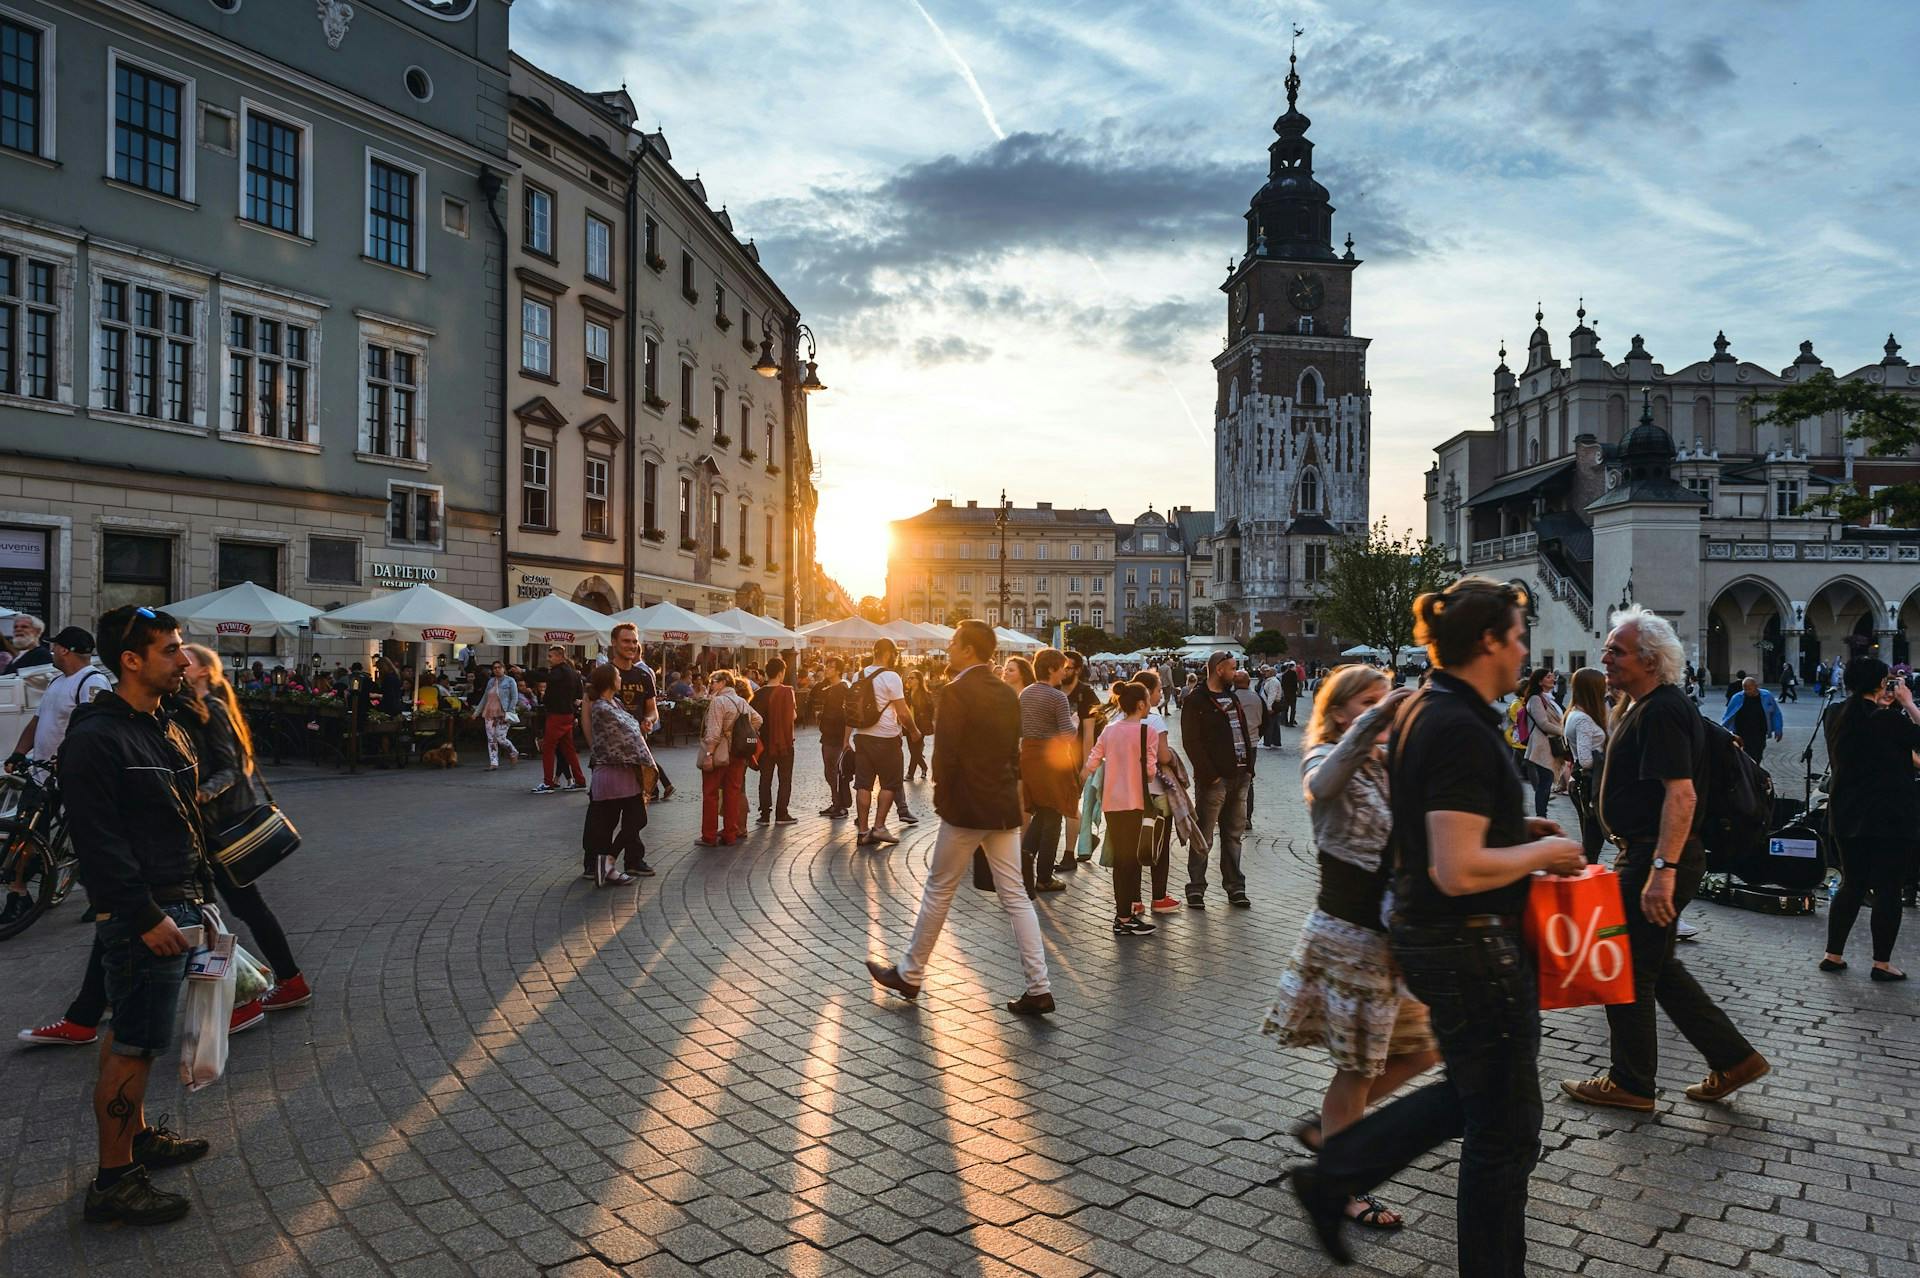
point(1008, 223)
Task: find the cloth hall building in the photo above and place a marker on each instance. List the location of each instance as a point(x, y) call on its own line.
point(1601, 482)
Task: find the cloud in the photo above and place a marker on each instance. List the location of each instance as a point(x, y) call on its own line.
point(952, 349)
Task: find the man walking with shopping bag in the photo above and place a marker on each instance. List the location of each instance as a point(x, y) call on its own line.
point(130, 776)
point(1651, 785)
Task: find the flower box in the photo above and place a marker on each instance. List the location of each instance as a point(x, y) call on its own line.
point(656, 263)
point(691, 422)
point(688, 543)
point(721, 552)
point(655, 534)
point(722, 323)
point(747, 454)
point(654, 401)
point(722, 440)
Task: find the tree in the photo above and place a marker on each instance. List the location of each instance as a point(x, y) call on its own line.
point(1156, 626)
point(1090, 639)
point(1367, 591)
point(1205, 618)
point(1889, 421)
point(874, 609)
point(1268, 643)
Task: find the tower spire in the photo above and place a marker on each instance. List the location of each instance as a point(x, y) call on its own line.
point(1293, 69)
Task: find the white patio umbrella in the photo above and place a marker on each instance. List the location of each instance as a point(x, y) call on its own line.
point(1014, 641)
point(910, 637)
point(670, 623)
point(553, 619)
point(758, 631)
point(848, 632)
point(419, 614)
point(245, 611)
point(1365, 650)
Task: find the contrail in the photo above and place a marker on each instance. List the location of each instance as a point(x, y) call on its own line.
point(966, 72)
point(993, 123)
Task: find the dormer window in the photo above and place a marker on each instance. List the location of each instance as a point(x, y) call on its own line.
point(1310, 492)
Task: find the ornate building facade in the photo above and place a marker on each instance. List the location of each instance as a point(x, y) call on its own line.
point(1601, 482)
point(1292, 424)
point(945, 563)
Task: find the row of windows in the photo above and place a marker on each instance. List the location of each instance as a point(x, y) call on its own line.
point(536, 492)
point(1132, 576)
point(140, 567)
point(151, 146)
point(963, 581)
point(1018, 549)
point(1016, 614)
point(689, 525)
point(690, 417)
point(1313, 564)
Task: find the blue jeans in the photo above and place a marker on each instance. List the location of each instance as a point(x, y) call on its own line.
point(143, 987)
point(1482, 995)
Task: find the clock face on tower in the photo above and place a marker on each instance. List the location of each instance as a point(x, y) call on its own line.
point(1306, 292)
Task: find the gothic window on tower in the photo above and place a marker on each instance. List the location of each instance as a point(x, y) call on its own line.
point(1310, 492)
point(1309, 390)
point(1316, 562)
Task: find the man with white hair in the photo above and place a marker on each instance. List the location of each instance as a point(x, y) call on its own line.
point(1650, 781)
point(29, 643)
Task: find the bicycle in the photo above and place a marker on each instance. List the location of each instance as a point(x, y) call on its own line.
point(38, 850)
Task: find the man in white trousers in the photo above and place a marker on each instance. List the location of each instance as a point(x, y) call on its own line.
point(976, 792)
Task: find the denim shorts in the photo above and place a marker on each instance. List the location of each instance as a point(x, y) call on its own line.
point(143, 987)
point(877, 761)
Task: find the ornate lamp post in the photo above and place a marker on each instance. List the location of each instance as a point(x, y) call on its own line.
point(1000, 520)
point(794, 386)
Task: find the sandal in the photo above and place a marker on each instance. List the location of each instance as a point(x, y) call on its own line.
point(1374, 1215)
point(1306, 1133)
point(616, 878)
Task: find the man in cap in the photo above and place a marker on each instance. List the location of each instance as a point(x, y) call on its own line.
point(78, 682)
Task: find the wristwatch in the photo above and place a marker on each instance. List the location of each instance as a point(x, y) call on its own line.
point(1661, 863)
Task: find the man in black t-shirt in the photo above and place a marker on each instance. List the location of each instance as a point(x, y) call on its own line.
point(560, 700)
point(1465, 848)
point(835, 744)
point(1650, 786)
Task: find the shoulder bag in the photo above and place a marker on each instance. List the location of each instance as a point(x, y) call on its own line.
point(1556, 742)
point(254, 844)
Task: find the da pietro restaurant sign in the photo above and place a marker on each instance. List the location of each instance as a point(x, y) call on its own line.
point(399, 576)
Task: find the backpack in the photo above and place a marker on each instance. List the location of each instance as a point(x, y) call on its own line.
point(863, 705)
point(1737, 802)
point(745, 742)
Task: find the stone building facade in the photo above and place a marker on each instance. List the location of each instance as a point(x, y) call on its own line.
point(1603, 481)
point(250, 315)
point(945, 563)
point(1292, 421)
point(1150, 569)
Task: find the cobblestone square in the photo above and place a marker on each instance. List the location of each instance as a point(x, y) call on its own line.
point(506, 1071)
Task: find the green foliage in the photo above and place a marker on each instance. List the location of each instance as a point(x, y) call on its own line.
point(1091, 639)
point(1367, 593)
point(1155, 626)
point(1205, 618)
point(1268, 643)
point(1887, 420)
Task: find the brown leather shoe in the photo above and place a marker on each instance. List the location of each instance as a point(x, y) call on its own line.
point(1603, 1091)
point(887, 975)
point(1718, 1085)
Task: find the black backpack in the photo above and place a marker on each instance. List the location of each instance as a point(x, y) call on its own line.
point(863, 706)
point(745, 742)
point(1738, 802)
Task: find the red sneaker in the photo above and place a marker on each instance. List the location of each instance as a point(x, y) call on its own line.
point(62, 1033)
point(1165, 905)
point(292, 992)
point(245, 1017)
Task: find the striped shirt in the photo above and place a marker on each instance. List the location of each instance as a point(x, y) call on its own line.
point(1045, 712)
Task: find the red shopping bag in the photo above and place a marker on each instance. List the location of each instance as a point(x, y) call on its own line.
point(1577, 929)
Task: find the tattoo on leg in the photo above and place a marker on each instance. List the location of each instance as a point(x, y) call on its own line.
point(124, 1110)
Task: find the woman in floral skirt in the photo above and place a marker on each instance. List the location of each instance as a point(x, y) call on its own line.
point(1341, 989)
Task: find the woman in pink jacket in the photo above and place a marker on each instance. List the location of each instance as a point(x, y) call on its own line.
point(1130, 749)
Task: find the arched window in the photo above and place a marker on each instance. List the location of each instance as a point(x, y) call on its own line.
point(1309, 389)
point(1233, 395)
point(1703, 421)
point(1616, 418)
point(1310, 492)
point(1533, 451)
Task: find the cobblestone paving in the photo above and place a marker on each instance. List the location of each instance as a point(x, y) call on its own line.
point(507, 1071)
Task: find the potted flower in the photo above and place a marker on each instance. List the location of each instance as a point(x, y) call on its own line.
point(747, 454)
point(746, 561)
point(688, 543)
point(721, 552)
point(655, 534)
point(657, 263)
point(773, 468)
point(653, 401)
point(722, 439)
point(721, 322)
point(691, 422)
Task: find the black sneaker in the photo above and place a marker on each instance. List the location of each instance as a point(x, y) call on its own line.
point(134, 1201)
point(786, 818)
point(1239, 901)
point(642, 870)
point(1196, 902)
point(908, 818)
point(766, 818)
point(18, 905)
point(158, 1147)
point(1140, 925)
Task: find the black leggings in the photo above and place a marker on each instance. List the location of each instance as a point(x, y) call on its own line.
point(1879, 866)
point(1123, 848)
point(243, 903)
point(604, 817)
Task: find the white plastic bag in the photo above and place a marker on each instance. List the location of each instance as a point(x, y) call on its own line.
point(203, 1039)
point(252, 979)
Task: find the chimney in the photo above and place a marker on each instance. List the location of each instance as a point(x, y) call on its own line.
point(973, 505)
point(943, 503)
point(1043, 505)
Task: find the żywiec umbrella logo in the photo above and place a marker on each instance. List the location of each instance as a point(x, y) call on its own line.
point(445, 634)
point(676, 636)
point(561, 636)
point(233, 628)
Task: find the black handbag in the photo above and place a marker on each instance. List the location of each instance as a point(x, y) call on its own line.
point(982, 871)
point(254, 844)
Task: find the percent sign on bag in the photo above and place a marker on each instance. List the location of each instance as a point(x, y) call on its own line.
point(1578, 930)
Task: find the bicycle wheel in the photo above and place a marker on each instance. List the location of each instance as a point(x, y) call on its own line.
point(27, 846)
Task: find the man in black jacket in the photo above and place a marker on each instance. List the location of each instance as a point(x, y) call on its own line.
point(129, 776)
point(976, 791)
point(835, 741)
point(1219, 743)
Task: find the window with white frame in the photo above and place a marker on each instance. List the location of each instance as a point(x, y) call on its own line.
point(1316, 561)
point(1153, 576)
point(536, 486)
point(1133, 600)
point(767, 558)
point(1019, 614)
point(1309, 627)
point(1017, 550)
point(1073, 616)
point(26, 86)
point(536, 220)
point(1100, 585)
point(150, 148)
point(746, 537)
point(31, 297)
point(650, 369)
point(686, 510)
point(1099, 617)
point(393, 213)
point(1040, 582)
point(145, 347)
point(393, 382)
point(1073, 551)
point(599, 249)
point(536, 336)
point(1786, 498)
point(1073, 585)
point(271, 391)
point(1153, 598)
point(274, 185)
point(1040, 615)
point(413, 515)
point(599, 356)
point(993, 614)
point(716, 522)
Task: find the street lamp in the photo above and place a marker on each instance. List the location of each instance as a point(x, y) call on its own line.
point(768, 366)
point(796, 388)
point(1000, 518)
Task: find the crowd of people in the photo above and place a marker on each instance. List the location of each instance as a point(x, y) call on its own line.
point(1417, 799)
